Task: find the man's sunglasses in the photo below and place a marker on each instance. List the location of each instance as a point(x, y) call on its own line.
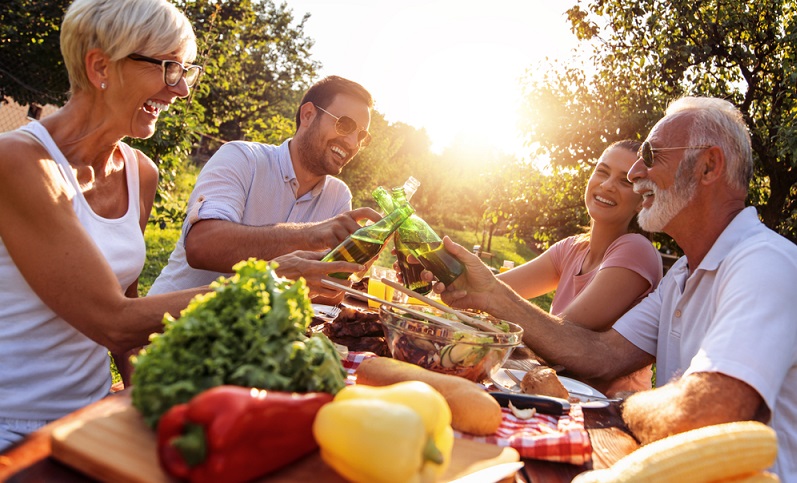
point(646, 152)
point(173, 71)
point(344, 125)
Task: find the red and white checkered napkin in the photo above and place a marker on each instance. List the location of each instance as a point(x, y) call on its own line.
point(562, 439)
point(554, 438)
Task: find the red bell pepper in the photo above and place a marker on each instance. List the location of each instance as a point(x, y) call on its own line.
point(233, 433)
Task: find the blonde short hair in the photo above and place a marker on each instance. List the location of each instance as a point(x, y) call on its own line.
point(120, 28)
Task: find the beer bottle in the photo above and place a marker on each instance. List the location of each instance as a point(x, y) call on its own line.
point(365, 244)
point(410, 272)
point(422, 241)
point(415, 236)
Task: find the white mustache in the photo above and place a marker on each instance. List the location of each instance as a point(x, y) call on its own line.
point(644, 185)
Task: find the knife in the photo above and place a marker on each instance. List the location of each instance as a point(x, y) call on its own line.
point(544, 404)
point(491, 474)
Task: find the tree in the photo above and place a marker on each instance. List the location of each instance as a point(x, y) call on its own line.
point(31, 67)
point(647, 53)
point(257, 66)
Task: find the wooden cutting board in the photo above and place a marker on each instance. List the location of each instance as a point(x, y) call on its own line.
point(110, 442)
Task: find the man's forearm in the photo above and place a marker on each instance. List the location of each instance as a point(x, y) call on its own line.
point(697, 400)
point(217, 245)
point(582, 351)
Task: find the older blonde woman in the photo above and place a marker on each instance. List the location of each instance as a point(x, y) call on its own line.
point(74, 201)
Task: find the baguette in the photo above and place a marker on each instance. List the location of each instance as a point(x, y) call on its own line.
point(473, 410)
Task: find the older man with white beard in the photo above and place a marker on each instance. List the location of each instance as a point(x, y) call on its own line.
point(722, 325)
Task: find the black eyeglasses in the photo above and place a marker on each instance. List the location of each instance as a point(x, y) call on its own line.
point(173, 71)
point(646, 152)
point(344, 125)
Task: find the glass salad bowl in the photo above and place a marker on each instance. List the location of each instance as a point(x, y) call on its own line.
point(473, 354)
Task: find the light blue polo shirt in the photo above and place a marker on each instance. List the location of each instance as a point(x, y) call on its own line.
point(251, 184)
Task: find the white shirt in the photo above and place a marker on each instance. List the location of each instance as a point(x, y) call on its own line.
point(735, 315)
point(251, 184)
point(47, 367)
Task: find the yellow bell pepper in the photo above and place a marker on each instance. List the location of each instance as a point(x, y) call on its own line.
point(391, 434)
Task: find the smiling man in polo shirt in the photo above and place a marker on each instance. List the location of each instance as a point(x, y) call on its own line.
point(278, 203)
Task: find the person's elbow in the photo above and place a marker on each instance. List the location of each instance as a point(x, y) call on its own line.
point(196, 255)
point(118, 338)
point(198, 251)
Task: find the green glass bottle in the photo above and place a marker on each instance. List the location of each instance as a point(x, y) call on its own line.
point(415, 236)
point(365, 244)
point(410, 272)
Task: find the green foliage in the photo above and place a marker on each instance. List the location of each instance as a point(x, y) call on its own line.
point(31, 66)
point(397, 152)
point(249, 331)
point(257, 66)
point(540, 207)
point(647, 53)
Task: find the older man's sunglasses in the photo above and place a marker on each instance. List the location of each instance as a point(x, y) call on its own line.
point(344, 125)
point(646, 151)
point(173, 71)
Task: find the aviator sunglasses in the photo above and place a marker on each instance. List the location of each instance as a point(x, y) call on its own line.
point(173, 71)
point(646, 152)
point(344, 125)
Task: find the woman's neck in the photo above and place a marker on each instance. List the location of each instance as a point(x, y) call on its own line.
point(81, 135)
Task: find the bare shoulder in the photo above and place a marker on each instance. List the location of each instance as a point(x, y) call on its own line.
point(148, 174)
point(18, 149)
point(146, 166)
point(23, 161)
point(32, 186)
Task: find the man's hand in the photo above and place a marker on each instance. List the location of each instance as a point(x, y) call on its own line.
point(307, 264)
point(475, 288)
point(330, 233)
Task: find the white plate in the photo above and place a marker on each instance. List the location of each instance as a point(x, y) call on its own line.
point(503, 383)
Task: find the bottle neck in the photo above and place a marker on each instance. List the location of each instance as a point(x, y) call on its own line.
point(383, 228)
point(384, 199)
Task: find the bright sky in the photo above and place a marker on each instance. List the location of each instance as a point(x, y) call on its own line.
point(450, 66)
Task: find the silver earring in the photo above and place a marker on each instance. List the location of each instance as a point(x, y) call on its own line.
point(103, 85)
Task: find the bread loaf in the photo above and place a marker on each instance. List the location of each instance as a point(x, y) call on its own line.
point(543, 381)
point(473, 410)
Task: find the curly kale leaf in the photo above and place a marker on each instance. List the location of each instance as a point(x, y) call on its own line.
point(248, 331)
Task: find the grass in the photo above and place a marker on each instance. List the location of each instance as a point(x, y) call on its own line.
point(160, 243)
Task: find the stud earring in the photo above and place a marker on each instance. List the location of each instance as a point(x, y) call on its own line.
point(103, 85)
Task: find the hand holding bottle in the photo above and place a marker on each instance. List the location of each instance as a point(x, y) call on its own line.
point(364, 245)
point(330, 233)
point(475, 288)
point(416, 238)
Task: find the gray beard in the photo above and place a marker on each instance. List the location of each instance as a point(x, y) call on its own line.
point(666, 203)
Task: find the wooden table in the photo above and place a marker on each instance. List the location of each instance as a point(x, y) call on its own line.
point(31, 460)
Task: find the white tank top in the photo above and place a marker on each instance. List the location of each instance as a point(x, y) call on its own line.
point(47, 367)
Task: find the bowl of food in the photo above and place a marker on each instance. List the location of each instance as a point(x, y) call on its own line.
point(473, 354)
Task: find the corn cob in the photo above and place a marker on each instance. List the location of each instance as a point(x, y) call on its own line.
point(701, 455)
point(760, 477)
